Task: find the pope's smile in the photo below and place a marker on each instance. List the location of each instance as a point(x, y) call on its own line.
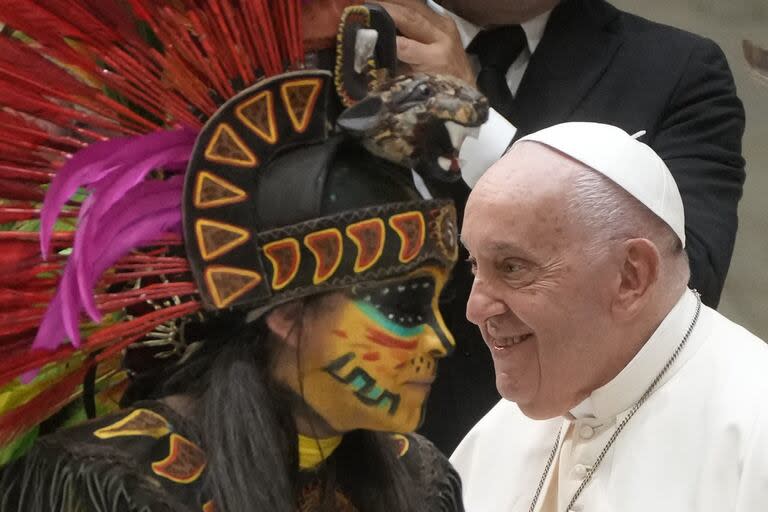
point(505, 342)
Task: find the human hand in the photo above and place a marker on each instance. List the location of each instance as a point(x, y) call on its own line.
point(430, 42)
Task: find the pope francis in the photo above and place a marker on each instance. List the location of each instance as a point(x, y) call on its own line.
point(622, 392)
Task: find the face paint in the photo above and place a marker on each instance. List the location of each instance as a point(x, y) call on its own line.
point(369, 359)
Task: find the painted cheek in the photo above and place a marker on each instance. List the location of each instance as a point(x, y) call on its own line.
point(386, 374)
point(401, 359)
point(385, 339)
point(422, 365)
point(340, 333)
point(367, 387)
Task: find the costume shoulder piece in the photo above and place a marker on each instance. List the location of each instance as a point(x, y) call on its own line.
point(439, 481)
point(140, 459)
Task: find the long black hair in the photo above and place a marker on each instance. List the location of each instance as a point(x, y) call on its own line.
point(245, 423)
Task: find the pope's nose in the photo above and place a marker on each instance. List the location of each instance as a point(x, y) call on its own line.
point(482, 306)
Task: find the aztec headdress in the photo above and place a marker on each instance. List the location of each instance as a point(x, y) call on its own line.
point(196, 146)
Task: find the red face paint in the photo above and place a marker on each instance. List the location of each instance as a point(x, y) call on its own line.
point(381, 338)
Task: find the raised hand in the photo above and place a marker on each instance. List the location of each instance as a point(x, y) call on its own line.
point(430, 42)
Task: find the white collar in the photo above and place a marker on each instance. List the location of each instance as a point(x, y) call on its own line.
point(533, 28)
point(628, 386)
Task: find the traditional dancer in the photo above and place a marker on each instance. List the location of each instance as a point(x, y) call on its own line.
point(236, 287)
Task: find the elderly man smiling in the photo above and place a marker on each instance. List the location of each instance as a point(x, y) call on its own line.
point(622, 391)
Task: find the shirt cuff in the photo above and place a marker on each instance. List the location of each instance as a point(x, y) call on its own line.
point(477, 155)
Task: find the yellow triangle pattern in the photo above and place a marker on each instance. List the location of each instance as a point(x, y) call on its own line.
point(217, 238)
point(299, 98)
point(212, 191)
point(258, 114)
point(228, 283)
point(226, 147)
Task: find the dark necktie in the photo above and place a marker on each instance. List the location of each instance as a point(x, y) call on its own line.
point(497, 49)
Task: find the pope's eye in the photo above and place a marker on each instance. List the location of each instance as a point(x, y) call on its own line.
point(510, 266)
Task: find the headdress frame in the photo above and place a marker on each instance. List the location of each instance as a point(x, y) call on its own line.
point(238, 258)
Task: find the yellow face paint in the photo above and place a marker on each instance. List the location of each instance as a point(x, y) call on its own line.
point(372, 358)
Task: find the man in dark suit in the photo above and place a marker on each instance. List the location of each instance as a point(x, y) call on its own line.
point(592, 62)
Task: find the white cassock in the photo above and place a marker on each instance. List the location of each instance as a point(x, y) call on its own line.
point(699, 443)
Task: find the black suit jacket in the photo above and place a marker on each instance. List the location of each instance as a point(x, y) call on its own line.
point(596, 63)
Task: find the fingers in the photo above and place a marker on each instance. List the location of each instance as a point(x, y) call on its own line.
point(415, 23)
point(429, 42)
point(411, 51)
point(430, 58)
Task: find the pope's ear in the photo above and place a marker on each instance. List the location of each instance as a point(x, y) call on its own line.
point(639, 273)
point(282, 321)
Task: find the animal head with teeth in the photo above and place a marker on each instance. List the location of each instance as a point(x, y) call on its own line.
point(419, 121)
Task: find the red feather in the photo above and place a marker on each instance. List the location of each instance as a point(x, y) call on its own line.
point(72, 73)
point(17, 251)
point(11, 172)
point(11, 299)
point(32, 18)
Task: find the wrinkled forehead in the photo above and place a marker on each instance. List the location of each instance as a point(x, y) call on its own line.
point(526, 175)
point(521, 199)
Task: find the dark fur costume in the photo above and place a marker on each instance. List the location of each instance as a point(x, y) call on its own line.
point(75, 470)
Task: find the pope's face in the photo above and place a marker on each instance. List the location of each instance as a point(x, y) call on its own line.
point(369, 356)
point(541, 303)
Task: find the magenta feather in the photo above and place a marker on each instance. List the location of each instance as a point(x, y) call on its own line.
point(123, 211)
point(107, 193)
point(147, 199)
point(147, 211)
point(118, 163)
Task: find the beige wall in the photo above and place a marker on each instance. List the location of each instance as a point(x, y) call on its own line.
point(745, 298)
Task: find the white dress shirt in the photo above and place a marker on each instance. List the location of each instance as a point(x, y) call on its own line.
point(698, 444)
point(477, 155)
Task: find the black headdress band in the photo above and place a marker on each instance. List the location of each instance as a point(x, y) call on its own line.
point(357, 246)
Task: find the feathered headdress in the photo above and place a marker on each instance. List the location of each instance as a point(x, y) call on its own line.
point(97, 95)
point(133, 121)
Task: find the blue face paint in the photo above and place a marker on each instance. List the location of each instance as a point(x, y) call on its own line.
point(402, 307)
point(390, 324)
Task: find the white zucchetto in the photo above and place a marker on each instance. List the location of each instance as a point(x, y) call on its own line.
point(623, 159)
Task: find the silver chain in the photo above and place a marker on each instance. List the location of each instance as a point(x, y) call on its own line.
point(591, 471)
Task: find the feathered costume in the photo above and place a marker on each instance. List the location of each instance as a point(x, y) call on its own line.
point(125, 128)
